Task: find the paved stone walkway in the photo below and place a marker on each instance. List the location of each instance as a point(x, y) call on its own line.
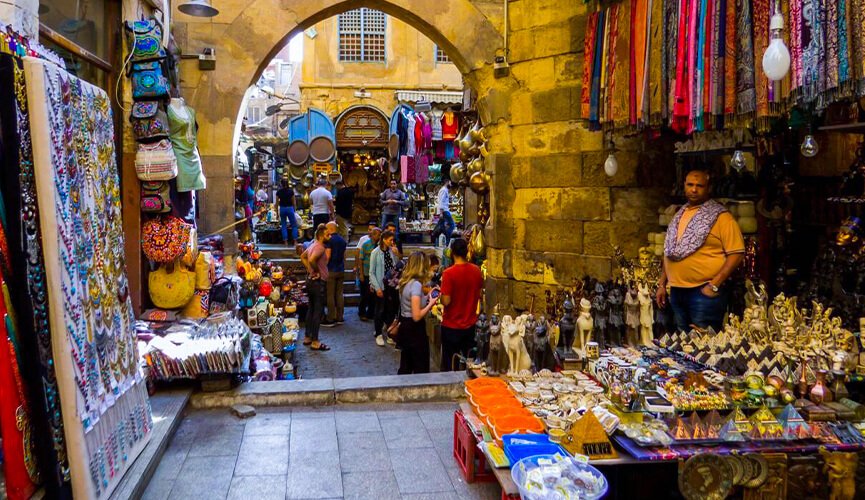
point(353, 353)
point(396, 451)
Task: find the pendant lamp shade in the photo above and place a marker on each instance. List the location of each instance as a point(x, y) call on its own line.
point(198, 8)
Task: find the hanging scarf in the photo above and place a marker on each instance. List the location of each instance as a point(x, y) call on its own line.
point(746, 97)
point(730, 63)
point(681, 103)
point(656, 67)
point(596, 71)
point(716, 103)
point(605, 55)
point(695, 233)
point(795, 47)
point(857, 33)
point(622, 72)
point(812, 43)
point(632, 61)
point(700, 73)
point(588, 64)
point(832, 43)
point(843, 48)
point(671, 35)
point(693, 40)
point(709, 26)
point(761, 42)
point(640, 20)
point(613, 16)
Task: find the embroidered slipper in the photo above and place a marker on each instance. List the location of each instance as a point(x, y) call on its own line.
point(321, 347)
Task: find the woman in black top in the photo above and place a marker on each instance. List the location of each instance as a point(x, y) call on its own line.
point(285, 199)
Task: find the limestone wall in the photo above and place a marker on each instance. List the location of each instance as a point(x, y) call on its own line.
point(554, 213)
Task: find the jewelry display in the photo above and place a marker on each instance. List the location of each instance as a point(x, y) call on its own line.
point(101, 388)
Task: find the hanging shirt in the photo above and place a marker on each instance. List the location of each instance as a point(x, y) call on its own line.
point(450, 126)
point(181, 126)
point(436, 119)
point(444, 200)
point(411, 122)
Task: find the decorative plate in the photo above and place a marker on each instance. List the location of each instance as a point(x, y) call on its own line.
point(706, 477)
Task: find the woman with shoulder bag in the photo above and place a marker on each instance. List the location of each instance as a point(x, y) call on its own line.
point(383, 266)
point(414, 306)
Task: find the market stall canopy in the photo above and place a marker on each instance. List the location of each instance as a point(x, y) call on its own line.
point(431, 96)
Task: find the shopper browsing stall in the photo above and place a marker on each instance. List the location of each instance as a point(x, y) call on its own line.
point(314, 260)
point(445, 223)
point(461, 288)
point(322, 204)
point(414, 307)
point(362, 264)
point(336, 246)
point(704, 245)
point(285, 200)
point(393, 200)
point(383, 263)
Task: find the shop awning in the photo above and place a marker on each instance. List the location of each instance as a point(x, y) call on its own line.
point(432, 96)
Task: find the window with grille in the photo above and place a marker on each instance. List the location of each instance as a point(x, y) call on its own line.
point(362, 36)
point(441, 57)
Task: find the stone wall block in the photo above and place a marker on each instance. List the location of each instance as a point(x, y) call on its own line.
point(562, 204)
point(599, 237)
point(499, 263)
point(550, 236)
point(593, 169)
point(521, 108)
point(637, 205)
point(555, 170)
point(497, 291)
point(519, 15)
point(536, 74)
point(521, 46)
point(569, 68)
point(524, 296)
point(529, 266)
point(562, 268)
point(589, 140)
point(560, 103)
point(559, 38)
point(547, 138)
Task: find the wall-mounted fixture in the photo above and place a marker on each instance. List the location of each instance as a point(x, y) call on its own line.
point(198, 8)
point(206, 60)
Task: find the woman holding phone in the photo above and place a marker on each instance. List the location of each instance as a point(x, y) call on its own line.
point(414, 307)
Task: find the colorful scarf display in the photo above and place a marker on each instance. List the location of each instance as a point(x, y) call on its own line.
point(695, 65)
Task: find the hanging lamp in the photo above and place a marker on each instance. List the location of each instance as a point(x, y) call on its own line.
point(198, 8)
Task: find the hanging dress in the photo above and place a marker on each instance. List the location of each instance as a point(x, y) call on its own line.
point(182, 133)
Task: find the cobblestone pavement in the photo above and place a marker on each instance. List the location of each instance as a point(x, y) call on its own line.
point(395, 451)
point(353, 353)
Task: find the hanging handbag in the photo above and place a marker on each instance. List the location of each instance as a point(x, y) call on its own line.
point(149, 121)
point(393, 329)
point(165, 239)
point(155, 197)
point(171, 289)
point(156, 162)
point(145, 39)
point(205, 271)
point(223, 295)
point(148, 82)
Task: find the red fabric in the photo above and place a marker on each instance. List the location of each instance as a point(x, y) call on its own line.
point(18, 483)
point(450, 126)
point(418, 135)
point(463, 284)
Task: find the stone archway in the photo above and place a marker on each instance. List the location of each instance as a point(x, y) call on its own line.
point(247, 35)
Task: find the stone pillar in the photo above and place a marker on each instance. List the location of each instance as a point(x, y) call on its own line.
point(22, 15)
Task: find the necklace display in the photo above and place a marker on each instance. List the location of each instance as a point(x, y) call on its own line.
point(36, 272)
point(110, 397)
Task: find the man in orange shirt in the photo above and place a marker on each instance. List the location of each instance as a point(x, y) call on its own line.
point(704, 246)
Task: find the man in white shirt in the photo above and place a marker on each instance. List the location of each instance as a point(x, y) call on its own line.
point(322, 204)
point(445, 223)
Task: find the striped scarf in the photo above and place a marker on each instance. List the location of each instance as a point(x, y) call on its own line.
point(588, 64)
point(746, 96)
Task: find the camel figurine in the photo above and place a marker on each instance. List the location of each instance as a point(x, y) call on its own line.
point(513, 333)
point(584, 325)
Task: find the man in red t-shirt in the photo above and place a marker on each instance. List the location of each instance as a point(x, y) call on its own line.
point(461, 288)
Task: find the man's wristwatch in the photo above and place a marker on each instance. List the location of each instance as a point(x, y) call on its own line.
point(713, 287)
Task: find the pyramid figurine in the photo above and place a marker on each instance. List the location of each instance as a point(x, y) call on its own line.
point(713, 424)
point(698, 428)
point(766, 423)
point(730, 432)
point(793, 425)
point(588, 437)
point(741, 421)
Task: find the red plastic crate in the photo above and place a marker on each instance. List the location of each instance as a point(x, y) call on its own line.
point(473, 465)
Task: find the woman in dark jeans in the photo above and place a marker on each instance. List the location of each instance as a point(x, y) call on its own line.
point(383, 268)
point(414, 306)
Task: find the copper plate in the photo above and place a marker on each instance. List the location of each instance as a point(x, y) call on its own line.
point(706, 476)
point(296, 172)
point(321, 149)
point(738, 469)
point(298, 153)
point(356, 178)
point(761, 470)
point(393, 146)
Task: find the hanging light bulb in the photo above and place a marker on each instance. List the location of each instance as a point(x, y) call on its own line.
point(611, 166)
point(776, 59)
point(809, 147)
point(737, 161)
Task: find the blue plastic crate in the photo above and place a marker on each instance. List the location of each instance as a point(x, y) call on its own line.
point(540, 445)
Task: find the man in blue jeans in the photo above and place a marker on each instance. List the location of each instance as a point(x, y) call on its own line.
point(392, 202)
point(285, 200)
point(445, 223)
point(704, 245)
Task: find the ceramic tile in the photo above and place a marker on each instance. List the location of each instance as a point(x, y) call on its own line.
point(365, 485)
point(262, 455)
point(314, 475)
point(199, 476)
point(257, 488)
point(356, 421)
point(419, 470)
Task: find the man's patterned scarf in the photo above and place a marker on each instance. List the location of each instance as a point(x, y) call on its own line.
point(695, 233)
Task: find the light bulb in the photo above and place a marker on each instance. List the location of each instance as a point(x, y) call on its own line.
point(809, 147)
point(611, 166)
point(738, 160)
point(776, 59)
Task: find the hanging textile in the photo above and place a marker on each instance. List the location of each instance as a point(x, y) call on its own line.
point(761, 42)
point(843, 21)
point(613, 84)
point(588, 64)
point(620, 115)
point(746, 96)
point(682, 101)
point(671, 33)
point(719, 47)
point(857, 33)
point(639, 17)
point(597, 62)
point(657, 46)
point(812, 50)
point(25, 252)
point(795, 47)
point(106, 413)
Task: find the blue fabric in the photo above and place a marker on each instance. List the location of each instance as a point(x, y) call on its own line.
point(336, 263)
point(692, 307)
point(286, 217)
point(446, 226)
point(385, 218)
